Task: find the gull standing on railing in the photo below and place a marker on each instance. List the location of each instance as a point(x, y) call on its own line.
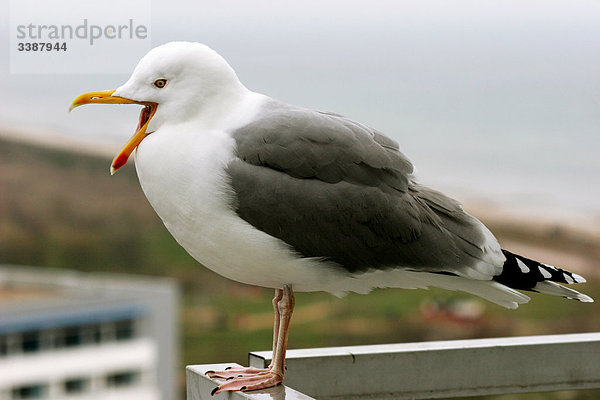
point(283, 197)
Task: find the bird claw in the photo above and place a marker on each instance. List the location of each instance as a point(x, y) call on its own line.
point(262, 380)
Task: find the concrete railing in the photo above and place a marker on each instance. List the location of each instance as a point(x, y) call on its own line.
point(458, 368)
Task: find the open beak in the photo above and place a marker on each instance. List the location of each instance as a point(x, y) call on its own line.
point(146, 115)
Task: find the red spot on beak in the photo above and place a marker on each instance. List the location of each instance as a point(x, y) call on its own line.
point(119, 161)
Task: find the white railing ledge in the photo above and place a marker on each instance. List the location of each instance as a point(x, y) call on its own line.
point(457, 368)
point(200, 387)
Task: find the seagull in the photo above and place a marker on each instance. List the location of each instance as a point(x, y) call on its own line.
point(284, 197)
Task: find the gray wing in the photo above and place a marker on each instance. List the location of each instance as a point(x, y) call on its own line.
point(332, 188)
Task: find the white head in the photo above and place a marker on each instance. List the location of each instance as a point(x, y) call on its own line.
point(176, 82)
point(194, 77)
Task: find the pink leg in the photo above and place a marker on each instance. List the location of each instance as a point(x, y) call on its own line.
point(276, 321)
point(251, 371)
point(273, 375)
point(286, 308)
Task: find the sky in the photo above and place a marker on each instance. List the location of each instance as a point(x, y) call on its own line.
point(500, 97)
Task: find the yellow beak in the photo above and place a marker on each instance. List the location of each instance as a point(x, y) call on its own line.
point(106, 97)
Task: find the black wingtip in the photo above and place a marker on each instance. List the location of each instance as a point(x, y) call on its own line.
point(522, 273)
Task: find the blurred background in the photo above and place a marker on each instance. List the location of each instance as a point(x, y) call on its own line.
point(496, 103)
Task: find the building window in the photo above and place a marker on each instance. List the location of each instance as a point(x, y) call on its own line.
point(95, 333)
point(58, 338)
point(107, 332)
point(72, 336)
point(35, 391)
point(3, 345)
point(91, 334)
point(76, 385)
point(124, 329)
point(68, 336)
point(122, 379)
point(31, 342)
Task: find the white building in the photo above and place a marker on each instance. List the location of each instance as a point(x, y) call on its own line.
point(72, 335)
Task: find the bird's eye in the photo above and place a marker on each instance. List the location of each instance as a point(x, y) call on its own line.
point(160, 83)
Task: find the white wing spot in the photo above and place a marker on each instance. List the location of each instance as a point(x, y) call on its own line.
point(578, 278)
point(524, 268)
point(568, 279)
point(545, 273)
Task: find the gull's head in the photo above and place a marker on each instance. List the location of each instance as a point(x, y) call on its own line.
point(183, 78)
point(175, 82)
